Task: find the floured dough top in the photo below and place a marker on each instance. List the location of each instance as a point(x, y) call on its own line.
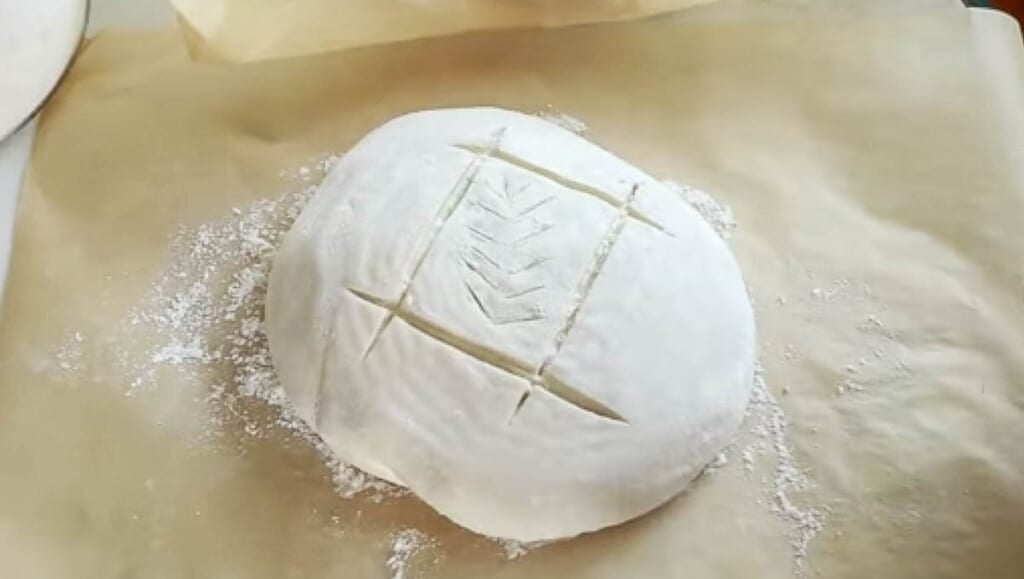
point(533, 335)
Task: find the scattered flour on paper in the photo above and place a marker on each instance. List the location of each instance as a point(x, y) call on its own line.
point(515, 549)
point(883, 362)
point(408, 547)
point(878, 354)
point(719, 216)
point(69, 355)
point(204, 318)
point(767, 423)
point(764, 435)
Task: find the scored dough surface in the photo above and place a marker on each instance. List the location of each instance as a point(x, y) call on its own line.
point(533, 335)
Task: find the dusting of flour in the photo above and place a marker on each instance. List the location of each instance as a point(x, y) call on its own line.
point(717, 215)
point(407, 546)
point(767, 440)
point(202, 319)
point(567, 122)
point(764, 437)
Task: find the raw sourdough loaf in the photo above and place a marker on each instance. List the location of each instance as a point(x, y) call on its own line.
point(533, 335)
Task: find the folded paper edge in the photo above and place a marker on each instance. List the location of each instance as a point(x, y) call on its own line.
point(211, 33)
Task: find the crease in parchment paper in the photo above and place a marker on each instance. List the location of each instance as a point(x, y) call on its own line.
point(253, 30)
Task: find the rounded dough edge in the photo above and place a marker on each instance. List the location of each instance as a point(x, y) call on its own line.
point(326, 201)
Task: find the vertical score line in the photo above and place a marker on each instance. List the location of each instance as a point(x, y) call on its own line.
point(455, 197)
point(604, 249)
point(556, 387)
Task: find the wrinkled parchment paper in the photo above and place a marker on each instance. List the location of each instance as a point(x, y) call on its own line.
point(874, 166)
point(248, 30)
point(255, 30)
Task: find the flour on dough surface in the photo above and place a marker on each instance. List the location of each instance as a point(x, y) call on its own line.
point(486, 308)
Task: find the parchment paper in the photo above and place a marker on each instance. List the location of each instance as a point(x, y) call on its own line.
point(874, 168)
point(248, 30)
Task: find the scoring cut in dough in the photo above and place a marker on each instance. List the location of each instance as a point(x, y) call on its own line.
point(533, 335)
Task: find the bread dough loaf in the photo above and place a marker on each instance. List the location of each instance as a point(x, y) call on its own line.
point(533, 335)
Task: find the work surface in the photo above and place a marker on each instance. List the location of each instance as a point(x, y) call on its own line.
point(872, 166)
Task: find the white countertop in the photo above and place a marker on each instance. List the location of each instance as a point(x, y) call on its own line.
point(14, 153)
